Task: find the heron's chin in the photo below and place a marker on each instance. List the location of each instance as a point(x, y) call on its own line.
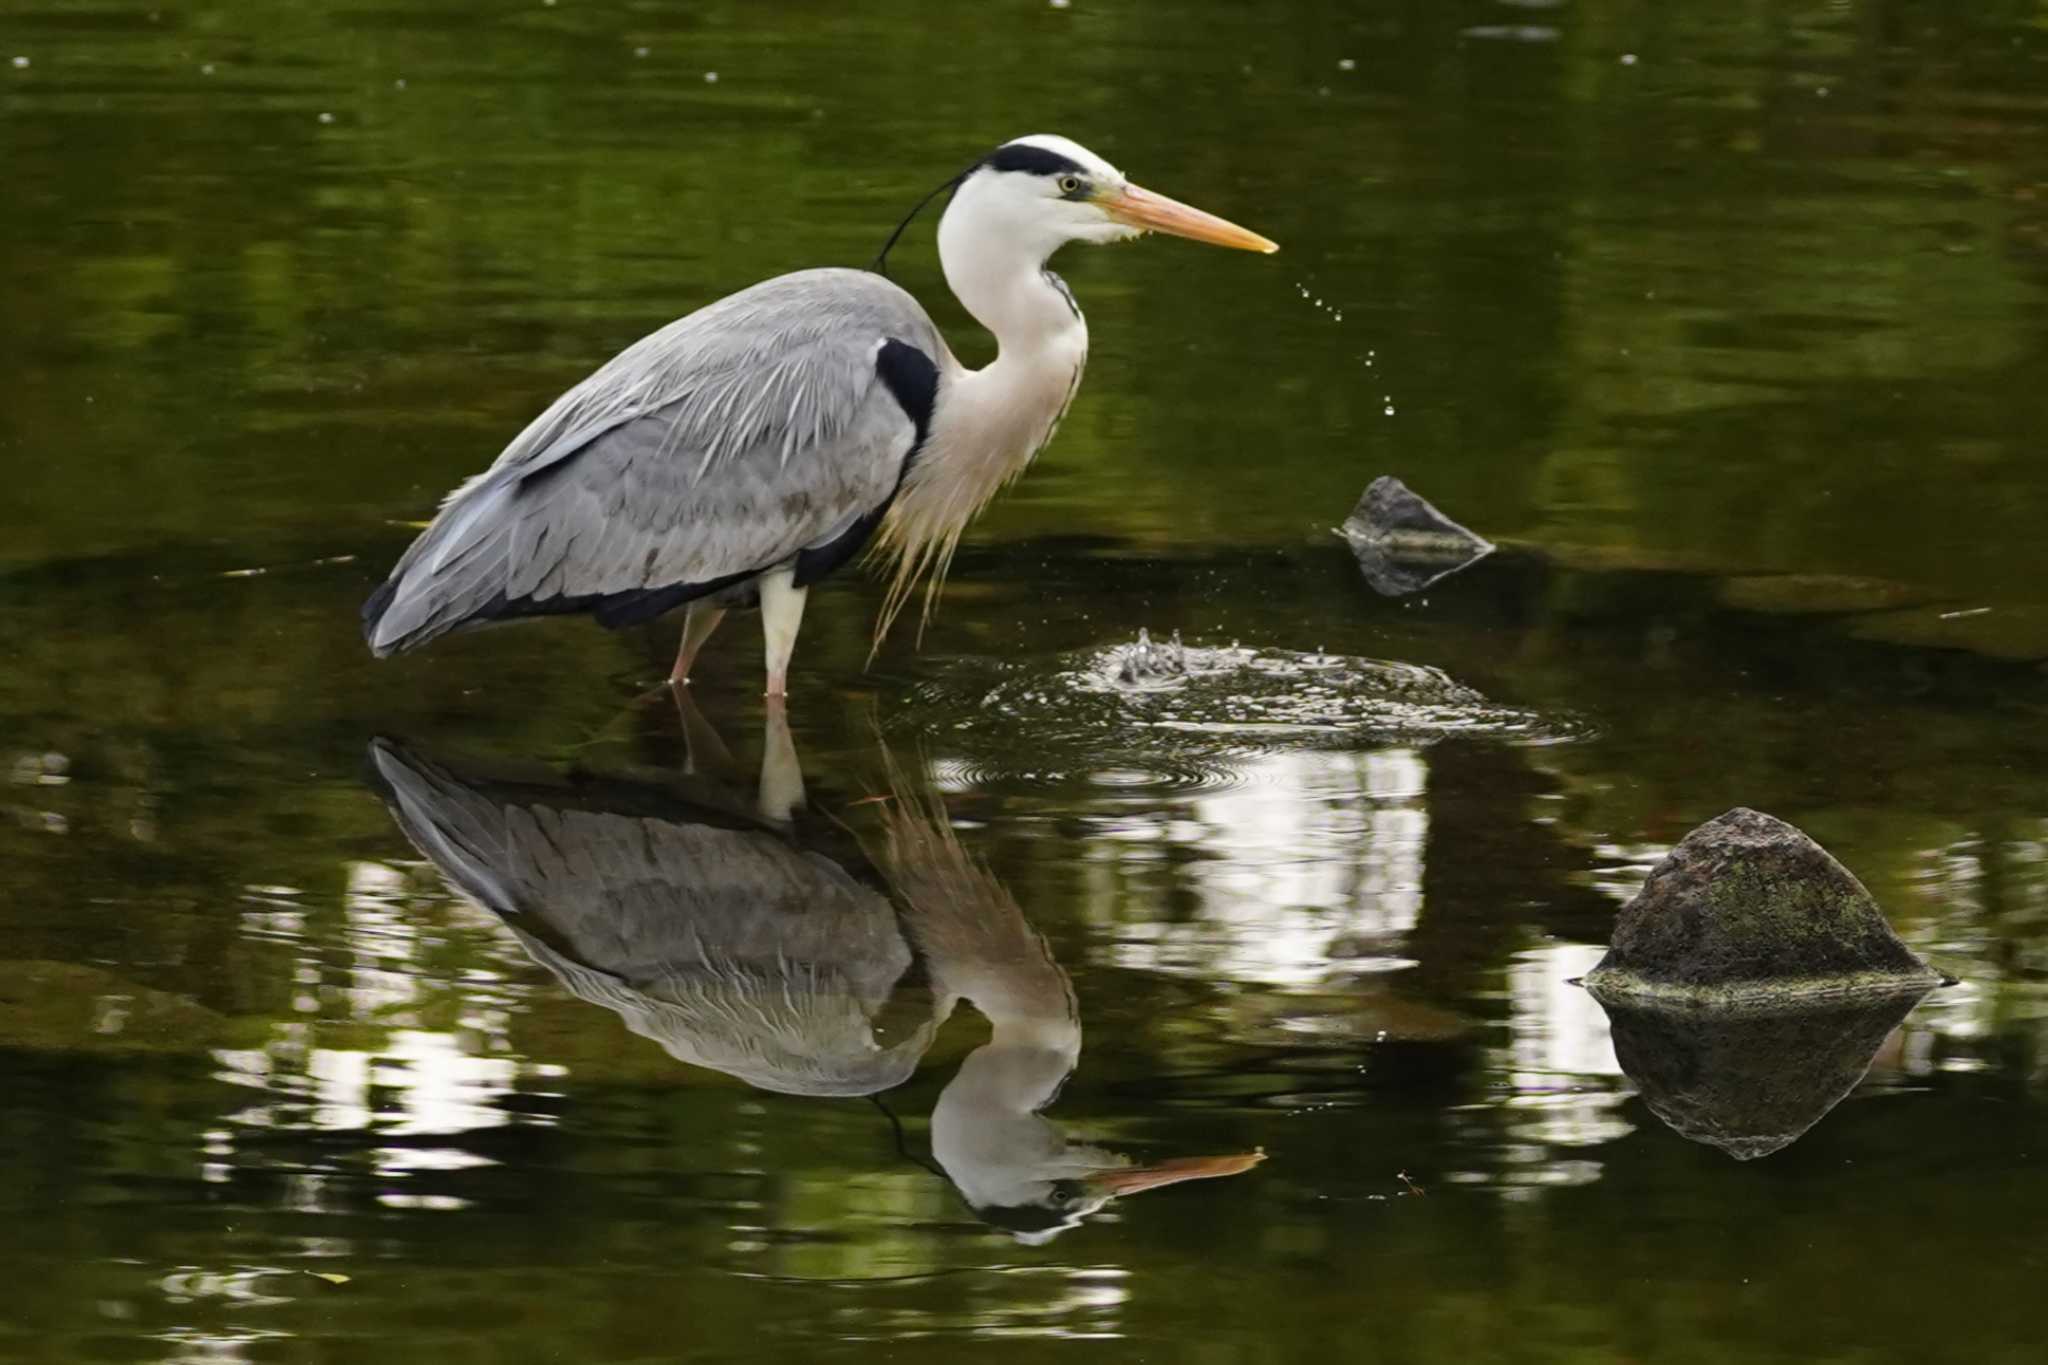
point(1109, 231)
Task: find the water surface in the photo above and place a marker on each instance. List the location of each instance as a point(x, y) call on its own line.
point(1724, 323)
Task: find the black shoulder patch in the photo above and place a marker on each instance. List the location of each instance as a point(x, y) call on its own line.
point(1032, 160)
point(913, 380)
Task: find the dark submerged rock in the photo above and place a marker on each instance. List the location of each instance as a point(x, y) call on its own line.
point(1750, 1083)
point(1747, 912)
point(1403, 544)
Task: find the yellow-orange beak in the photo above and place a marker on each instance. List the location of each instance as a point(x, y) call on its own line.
point(1149, 212)
point(1132, 1179)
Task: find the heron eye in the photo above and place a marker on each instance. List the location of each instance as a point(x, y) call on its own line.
point(1070, 184)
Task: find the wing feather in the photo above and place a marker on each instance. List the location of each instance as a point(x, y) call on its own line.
point(713, 449)
point(723, 941)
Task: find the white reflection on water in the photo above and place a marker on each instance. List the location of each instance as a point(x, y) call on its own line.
point(1061, 1302)
point(1567, 1085)
point(1565, 1089)
point(191, 1346)
point(402, 1081)
point(383, 940)
point(1310, 866)
point(419, 1083)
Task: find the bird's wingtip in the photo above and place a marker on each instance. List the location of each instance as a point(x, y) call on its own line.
point(375, 607)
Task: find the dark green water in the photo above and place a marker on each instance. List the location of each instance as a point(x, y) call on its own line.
point(1727, 320)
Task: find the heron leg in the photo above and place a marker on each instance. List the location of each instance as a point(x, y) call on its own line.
point(781, 792)
point(703, 751)
point(782, 614)
point(700, 618)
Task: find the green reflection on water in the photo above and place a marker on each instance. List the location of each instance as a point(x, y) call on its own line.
point(1764, 300)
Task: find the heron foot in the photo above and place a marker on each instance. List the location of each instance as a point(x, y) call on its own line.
point(698, 623)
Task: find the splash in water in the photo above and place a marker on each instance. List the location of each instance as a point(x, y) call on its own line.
point(1153, 714)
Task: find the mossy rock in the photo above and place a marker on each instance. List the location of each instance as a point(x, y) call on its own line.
point(1403, 544)
point(1754, 1081)
point(1747, 912)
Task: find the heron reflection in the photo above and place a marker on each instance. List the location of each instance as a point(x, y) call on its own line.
point(740, 939)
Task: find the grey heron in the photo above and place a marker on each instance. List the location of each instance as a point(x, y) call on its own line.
point(725, 938)
point(744, 451)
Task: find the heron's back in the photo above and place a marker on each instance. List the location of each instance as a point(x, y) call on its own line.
point(726, 443)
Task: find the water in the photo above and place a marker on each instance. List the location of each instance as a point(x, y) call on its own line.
point(1722, 323)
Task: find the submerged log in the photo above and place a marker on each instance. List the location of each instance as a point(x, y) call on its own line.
point(1747, 912)
point(1403, 544)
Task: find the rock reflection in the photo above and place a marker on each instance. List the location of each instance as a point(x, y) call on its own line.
point(1752, 1083)
point(1403, 543)
point(797, 960)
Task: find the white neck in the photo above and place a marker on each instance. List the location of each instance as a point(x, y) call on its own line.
point(995, 266)
point(987, 424)
point(986, 1131)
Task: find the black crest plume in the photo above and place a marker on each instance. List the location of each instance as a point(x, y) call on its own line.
point(881, 265)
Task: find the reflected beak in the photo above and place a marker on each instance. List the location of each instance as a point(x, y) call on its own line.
point(1133, 1179)
point(1149, 212)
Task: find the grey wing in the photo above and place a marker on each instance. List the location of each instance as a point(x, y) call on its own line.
point(773, 424)
point(730, 947)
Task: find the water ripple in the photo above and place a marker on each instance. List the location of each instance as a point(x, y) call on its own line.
point(1146, 719)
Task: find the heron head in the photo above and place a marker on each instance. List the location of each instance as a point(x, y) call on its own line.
point(1044, 191)
point(1035, 1206)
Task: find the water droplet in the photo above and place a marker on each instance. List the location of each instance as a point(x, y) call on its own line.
point(711, 78)
point(21, 63)
point(1347, 64)
point(1628, 59)
point(326, 117)
point(1059, 4)
point(1390, 409)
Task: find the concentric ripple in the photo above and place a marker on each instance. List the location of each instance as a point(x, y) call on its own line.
point(1146, 718)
